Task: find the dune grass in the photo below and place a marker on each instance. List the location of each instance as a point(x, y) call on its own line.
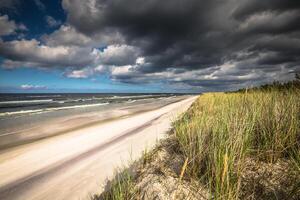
point(225, 134)
point(222, 130)
point(120, 188)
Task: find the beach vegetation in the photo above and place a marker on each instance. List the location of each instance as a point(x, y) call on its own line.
point(237, 145)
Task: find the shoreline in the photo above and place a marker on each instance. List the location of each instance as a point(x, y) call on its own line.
point(7, 141)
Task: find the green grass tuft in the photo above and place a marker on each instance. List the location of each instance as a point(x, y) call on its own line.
point(120, 188)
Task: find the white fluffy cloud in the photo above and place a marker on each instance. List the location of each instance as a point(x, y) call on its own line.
point(67, 35)
point(30, 87)
point(33, 52)
point(83, 73)
point(77, 61)
point(8, 27)
point(119, 55)
point(109, 60)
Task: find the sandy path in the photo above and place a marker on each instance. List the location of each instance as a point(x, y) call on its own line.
point(76, 164)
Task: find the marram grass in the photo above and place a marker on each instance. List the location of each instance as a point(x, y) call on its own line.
point(222, 129)
point(121, 188)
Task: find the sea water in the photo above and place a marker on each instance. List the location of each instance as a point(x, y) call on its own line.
point(20, 111)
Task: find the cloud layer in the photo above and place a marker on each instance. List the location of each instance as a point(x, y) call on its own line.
point(194, 44)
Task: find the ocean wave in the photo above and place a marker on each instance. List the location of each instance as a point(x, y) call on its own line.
point(98, 98)
point(72, 100)
point(132, 96)
point(44, 96)
point(76, 106)
point(39, 111)
point(27, 101)
point(20, 112)
point(137, 96)
point(131, 101)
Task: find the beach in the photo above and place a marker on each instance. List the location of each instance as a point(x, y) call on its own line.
point(73, 157)
point(27, 118)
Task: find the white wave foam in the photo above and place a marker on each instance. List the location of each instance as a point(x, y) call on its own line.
point(132, 96)
point(45, 96)
point(39, 111)
point(76, 106)
point(27, 101)
point(131, 101)
point(20, 112)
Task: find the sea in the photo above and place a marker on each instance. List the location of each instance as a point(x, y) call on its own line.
point(18, 111)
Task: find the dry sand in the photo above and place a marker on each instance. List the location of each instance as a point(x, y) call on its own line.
point(77, 164)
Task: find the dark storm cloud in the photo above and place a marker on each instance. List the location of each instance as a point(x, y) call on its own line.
point(193, 34)
point(170, 33)
point(188, 33)
point(247, 8)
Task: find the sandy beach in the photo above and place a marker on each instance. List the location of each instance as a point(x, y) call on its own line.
point(27, 128)
point(77, 164)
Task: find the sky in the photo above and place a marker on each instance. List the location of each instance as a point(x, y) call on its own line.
point(147, 45)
